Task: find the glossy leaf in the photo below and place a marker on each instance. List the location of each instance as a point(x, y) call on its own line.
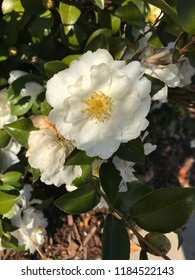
point(99, 3)
point(69, 15)
point(79, 201)
point(7, 201)
point(78, 157)
point(117, 46)
point(53, 67)
point(4, 138)
point(22, 106)
point(11, 178)
point(11, 5)
point(20, 130)
point(9, 242)
point(85, 177)
point(132, 151)
point(164, 210)
point(68, 59)
point(99, 39)
point(115, 243)
point(125, 200)
point(186, 14)
point(110, 180)
point(131, 14)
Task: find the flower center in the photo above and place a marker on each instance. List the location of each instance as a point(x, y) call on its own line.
point(99, 106)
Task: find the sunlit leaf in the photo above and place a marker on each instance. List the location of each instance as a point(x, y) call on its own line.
point(7, 201)
point(11, 5)
point(53, 67)
point(69, 15)
point(20, 130)
point(11, 178)
point(4, 138)
point(99, 3)
point(78, 157)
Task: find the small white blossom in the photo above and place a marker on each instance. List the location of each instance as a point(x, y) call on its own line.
point(173, 75)
point(47, 151)
point(31, 225)
point(99, 103)
point(5, 111)
point(15, 74)
point(8, 155)
point(32, 89)
point(126, 172)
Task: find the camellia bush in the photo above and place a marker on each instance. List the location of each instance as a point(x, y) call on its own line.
point(79, 82)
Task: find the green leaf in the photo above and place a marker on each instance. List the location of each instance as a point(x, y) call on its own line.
point(69, 15)
point(7, 201)
point(78, 157)
point(99, 3)
point(117, 46)
point(98, 39)
point(110, 180)
point(131, 14)
point(115, 243)
point(85, 177)
point(163, 5)
point(132, 151)
point(79, 201)
point(11, 178)
point(53, 67)
point(20, 130)
point(125, 200)
point(11, 5)
point(164, 210)
point(4, 138)
point(33, 7)
point(22, 106)
point(68, 59)
point(8, 241)
point(186, 14)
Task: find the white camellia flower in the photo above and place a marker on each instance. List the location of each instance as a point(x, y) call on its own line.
point(126, 167)
point(99, 103)
point(32, 89)
point(15, 74)
point(31, 225)
point(47, 151)
point(5, 111)
point(8, 155)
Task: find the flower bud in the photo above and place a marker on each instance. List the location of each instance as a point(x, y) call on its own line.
point(158, 241)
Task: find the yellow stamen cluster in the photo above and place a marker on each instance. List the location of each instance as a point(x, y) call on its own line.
point(99, 107)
